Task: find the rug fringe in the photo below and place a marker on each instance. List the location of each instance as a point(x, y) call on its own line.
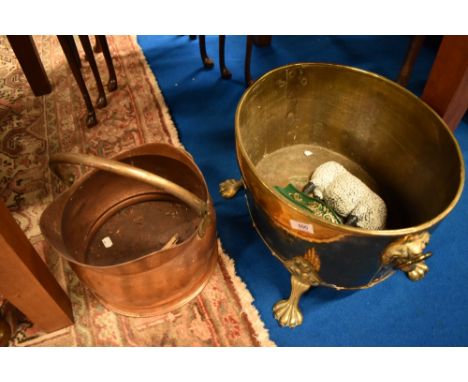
point(43, 337)
point(242, 290)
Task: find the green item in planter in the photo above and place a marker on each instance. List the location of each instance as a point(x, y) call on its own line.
point(313, 205)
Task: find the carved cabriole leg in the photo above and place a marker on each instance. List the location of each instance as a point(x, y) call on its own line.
point(67, 42)
point(97, 45)
point(287, 312)
point(207, 62)
point(229, 187)
point(88, 49)
point(225, 73)
point(112, 84)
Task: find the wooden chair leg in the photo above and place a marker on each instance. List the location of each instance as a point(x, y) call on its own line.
point(25, 280)
point(207, 62)
point(225, 73)
point(101, 101)
point(112, 84)
point(97, 45)
point(248, 55)
point(76, 55)
point(407, 67)
point(262, 41)
point(66, 42)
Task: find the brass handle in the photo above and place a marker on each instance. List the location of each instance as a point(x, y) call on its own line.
point(415, 260)
point(124, 169)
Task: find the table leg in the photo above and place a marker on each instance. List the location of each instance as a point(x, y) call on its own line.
point(26, 281)
point(446, 89)
point(29, 60)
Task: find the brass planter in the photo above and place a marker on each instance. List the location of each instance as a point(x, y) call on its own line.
point(111, 226)
point(380, 132)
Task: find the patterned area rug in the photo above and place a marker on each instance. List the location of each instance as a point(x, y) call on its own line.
point(32, 128)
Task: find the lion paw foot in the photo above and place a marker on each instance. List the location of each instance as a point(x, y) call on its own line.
point(287, 314)
point(229, 188)
point(418, 272)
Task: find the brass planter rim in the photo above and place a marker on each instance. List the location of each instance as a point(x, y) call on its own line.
point(344, 228)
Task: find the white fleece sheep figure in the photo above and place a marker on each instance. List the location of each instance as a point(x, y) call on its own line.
point(348, 196)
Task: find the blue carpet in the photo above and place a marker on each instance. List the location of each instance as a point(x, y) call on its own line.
point(394, 313)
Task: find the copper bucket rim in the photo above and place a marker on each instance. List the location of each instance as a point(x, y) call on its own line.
point(204, 220)
point(345, 229)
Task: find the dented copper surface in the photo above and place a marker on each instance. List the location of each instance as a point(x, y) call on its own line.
point(142, 238)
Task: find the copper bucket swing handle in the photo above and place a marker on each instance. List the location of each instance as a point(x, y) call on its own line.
point(193, 201)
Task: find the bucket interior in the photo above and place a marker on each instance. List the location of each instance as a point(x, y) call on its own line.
point(111, 219)
point(377, 130)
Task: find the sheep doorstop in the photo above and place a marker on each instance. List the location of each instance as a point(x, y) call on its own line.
point(348, 196)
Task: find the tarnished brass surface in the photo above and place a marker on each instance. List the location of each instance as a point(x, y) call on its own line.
point(313, 258)
point(402, 143)
point(407, 255)
point(302, 269)
point(287, 312)
point(416, 271)
point(143, 276)
point(379, 131)
point(229, 187)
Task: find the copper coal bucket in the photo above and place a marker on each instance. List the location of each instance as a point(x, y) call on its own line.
point(381, 133)
point(144, 244)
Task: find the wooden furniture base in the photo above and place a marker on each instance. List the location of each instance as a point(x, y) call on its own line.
point(207, 62)
point(69, 49)
point(102, 41)
point(29, 60)
point(446, 89)
point(26, 281)
point(88, 49)
point(225, 73)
